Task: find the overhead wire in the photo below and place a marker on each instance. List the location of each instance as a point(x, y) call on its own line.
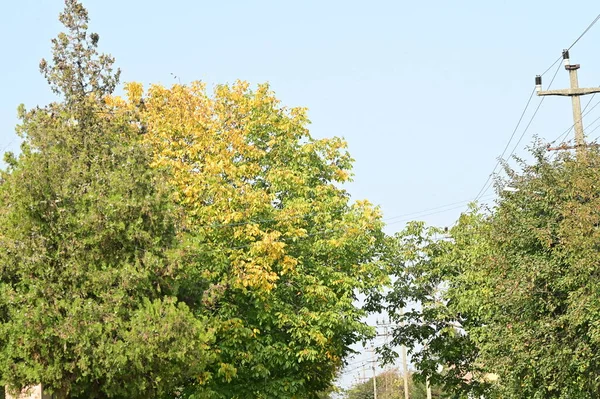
point(534, 114)
point(566, 132)
point(487, 183)
point(8, 145)
point(429, 210)
point(574, 43)
point(592, 131)
point(584, 32)
point(480, 193)
point(428, 214)
point(592, 123)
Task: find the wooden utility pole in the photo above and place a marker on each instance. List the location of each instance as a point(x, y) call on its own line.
point(574, 92)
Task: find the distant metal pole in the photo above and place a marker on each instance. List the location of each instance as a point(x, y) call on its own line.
point(374, 374)
point(405, 371)
point(404, 362)
point(428, 386)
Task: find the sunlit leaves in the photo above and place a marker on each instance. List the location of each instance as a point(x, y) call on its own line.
point(517, 286)
point(272, 238)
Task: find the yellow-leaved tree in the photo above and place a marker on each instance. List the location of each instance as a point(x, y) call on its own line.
point(273, 252)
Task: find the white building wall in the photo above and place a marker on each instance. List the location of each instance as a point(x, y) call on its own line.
point(35, 392)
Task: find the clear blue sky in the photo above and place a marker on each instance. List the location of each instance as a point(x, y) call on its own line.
point(427, 93)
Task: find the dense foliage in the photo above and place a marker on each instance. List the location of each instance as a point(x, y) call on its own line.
point(390, 385)
point(511, 294)
point(275, 253)
point(88, 304)
point(176, 243)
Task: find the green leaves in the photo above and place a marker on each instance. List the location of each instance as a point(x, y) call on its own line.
point(77, 71)
point(511, 294)
point(176, 243)
point(88, 298)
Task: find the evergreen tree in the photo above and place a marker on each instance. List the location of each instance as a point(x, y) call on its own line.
point(88, 269)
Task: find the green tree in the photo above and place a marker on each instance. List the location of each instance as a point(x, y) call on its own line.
point(541, 296)
point(390, 385)
point(511, 294)
point(88, 272)
point(434, 316)
point(277, 250)
point(175, 243)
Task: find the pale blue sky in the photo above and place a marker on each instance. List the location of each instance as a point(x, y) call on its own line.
point(426, 93)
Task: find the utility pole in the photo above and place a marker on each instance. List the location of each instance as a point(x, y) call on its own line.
point(374, 373)
point(404, 362)
point(428, 386)
point(574, 92)
point(405, 371)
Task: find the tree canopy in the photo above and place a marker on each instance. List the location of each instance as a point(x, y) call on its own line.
point(88, 305)
point(510, 294)
point(275, 252)
point(174, 242)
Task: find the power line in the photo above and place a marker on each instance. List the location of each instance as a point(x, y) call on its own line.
point(593, 130)
point(574, 43)
point(533, 116)
point(507, 145)
point(591, 123)
point(486, 186)
point(427, 214)
point(430, 209)
point(585, 31)
point(566, 132)
point(8, 145)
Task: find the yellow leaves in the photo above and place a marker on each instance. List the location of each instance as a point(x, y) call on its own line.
point(256, 269)
point(226, 371)
point(288, 264)
point(250, 179)
point(134, 92)
point(253, 274)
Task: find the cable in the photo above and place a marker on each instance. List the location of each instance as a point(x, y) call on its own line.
point(480, 193)
point(534, 114)
point(585, 31)
point(566, 132)
point(486, 186)
point(429, 210)
point(427, 214)
point(552, 66)
point(574, 43)
point(592, 131)
point(356, 368)
point(592, 123)
point(8, 145)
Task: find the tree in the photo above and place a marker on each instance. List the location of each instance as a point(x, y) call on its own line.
point(174, 243)
point(390, 385)
point(89, 300)
point(517, 286)
point(543, 291)
point(433, 315)
point(275, 254)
